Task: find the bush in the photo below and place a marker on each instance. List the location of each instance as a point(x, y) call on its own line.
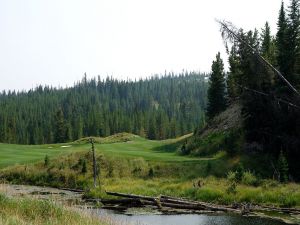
point(232, 188)
point(249, 178)
point(151, 173)
point(239, 172)
point(84, 167)
point(283, 168)
point(46, 161)
point(231, 176)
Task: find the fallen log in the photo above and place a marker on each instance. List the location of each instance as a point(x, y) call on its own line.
point(71, 189)
point(276, 209)
point(130, 196)
point(176, 203)
point(212, 207)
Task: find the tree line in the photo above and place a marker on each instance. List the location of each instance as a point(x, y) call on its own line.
point(159, 107)
point(270, 108)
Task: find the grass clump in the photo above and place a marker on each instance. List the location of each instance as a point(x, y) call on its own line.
point(28, 211)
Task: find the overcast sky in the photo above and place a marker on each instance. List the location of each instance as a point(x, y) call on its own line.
point(55, 41)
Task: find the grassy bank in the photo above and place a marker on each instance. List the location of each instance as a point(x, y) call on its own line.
point(136, 175)
point(214, 190)
point(28, 211)
point(128, 163)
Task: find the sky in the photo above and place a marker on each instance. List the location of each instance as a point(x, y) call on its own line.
point(55, 42)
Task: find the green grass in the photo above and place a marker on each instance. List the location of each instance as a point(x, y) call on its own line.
point(125, 164)
point(11, 154)
point(39, 212)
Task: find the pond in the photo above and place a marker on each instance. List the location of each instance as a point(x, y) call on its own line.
point(132, 216)
point(185, 219)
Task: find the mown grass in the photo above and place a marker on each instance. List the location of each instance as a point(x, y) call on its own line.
point(28, 211)
point(117, 145)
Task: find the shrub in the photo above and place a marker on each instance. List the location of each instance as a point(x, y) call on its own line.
point(46, 161)
point(151, 173)
point(231, 176)
point(232, 188)
point(249, 178)
point(239, 172)
point(84, 168)
point(283, 168)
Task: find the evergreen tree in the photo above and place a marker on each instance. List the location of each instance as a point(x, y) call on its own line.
point(268, 48)
point(282, 42)
point(293, 27)
point(216, 91)
point(233, 74)
point(93, 108)
point(60, 127)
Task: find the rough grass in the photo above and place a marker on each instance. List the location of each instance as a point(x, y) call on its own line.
point(126, 166)
point(212, 190)
point(120, 137)
point(28, 211)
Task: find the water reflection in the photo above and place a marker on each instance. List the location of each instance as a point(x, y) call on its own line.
point(187, 219)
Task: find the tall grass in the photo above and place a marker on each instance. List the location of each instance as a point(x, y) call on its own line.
point(211, 190)
point(28, 211)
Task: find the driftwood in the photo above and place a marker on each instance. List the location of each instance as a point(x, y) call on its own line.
point(71, 189)
point(284, 210)
point(177, 205)
point(169, 202)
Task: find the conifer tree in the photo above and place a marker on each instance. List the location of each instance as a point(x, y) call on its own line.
point(232, 76)
point(60, 127)
point(293, 29)
point(282, 42)
point(268, 49)
point(216, 91)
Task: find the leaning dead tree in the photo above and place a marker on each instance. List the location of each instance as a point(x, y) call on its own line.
point(231, 34)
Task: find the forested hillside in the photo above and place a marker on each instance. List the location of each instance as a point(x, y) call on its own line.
point(264, 79)
point(156, 108)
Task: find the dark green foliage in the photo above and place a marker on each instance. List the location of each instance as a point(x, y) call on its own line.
point(282, 42)
point(216, 91)
point(157, 108)
point(60, 128)
point(269, 125)
point(46, 161)
point(208, 167)
point(184, 150)
point(233, 141)
point(268, 48)
point(283, 168)
point(233, 74)
point(84, 167)
point(292, 50)
point(239, 172)
point(230, 141)
point(151, 173)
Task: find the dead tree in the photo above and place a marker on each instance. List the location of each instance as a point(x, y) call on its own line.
point(94, 162)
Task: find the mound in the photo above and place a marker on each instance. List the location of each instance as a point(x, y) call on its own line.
point(120, 137)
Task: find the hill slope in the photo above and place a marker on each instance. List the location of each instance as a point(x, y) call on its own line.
point(156, 108)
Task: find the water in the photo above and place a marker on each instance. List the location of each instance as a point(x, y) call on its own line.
point(137, 216)
point(190, 219)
